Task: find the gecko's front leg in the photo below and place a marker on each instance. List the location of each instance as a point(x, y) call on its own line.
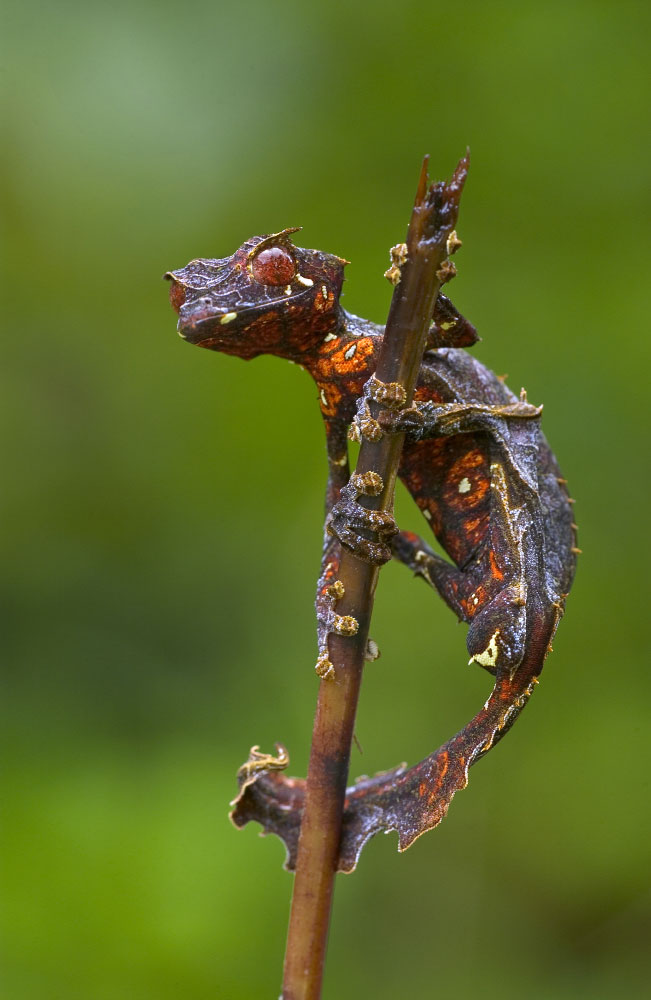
point(346, 519)
point(329, 588)
point(349, 521)
point(343, 516)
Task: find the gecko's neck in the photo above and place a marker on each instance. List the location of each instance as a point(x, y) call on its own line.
point(341, 335)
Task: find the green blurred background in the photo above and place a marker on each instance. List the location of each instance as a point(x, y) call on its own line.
point(163, 505)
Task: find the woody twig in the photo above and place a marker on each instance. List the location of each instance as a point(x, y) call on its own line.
point(420, 267)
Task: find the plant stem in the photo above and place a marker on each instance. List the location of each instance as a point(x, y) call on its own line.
point(433, 217)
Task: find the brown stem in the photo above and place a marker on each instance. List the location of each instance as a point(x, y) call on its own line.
point(433, 218)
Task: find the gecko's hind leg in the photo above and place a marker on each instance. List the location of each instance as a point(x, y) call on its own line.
point(448, 581)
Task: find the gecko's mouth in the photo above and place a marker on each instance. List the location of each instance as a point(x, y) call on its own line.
point(204, 318)
point(200, 312)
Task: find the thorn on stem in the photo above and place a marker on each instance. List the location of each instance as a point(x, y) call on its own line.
point(372, 651)
point(446, 272)
point(453, 243)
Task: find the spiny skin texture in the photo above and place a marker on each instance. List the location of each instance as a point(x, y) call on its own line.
point(475, 462)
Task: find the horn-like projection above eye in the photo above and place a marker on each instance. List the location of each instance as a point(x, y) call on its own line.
point(273, 266)
point(177, 295)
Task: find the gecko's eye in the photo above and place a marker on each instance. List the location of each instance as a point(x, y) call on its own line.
point(273, 266)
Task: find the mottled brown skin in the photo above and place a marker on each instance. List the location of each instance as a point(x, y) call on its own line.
point(475, 462)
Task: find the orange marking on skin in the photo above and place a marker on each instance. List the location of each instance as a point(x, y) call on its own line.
point(359, 351)
point(332, 368)
point(443, 768)
point(467, 481)
point(425, 394)
point(323, 302)
point(330, 395)
point(495, 570)
point(472, 459)
point(422, 788)
point(475, 601)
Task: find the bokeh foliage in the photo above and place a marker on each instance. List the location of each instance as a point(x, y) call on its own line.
point(162, 505)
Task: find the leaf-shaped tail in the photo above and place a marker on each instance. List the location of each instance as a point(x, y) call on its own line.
point(409, 800)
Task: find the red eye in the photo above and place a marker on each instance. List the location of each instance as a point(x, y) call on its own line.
point(273, 266)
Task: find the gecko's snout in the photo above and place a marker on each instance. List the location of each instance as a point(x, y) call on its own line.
point(177, 291)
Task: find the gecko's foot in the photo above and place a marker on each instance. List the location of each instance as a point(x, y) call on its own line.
point(425, 420)
point(409, 421)
point(349, 520)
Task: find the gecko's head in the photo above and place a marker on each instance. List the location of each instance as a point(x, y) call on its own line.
point(270, 297)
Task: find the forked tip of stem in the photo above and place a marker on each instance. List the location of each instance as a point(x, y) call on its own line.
point(423, 180)
point(456, 183)
point(437, 205)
